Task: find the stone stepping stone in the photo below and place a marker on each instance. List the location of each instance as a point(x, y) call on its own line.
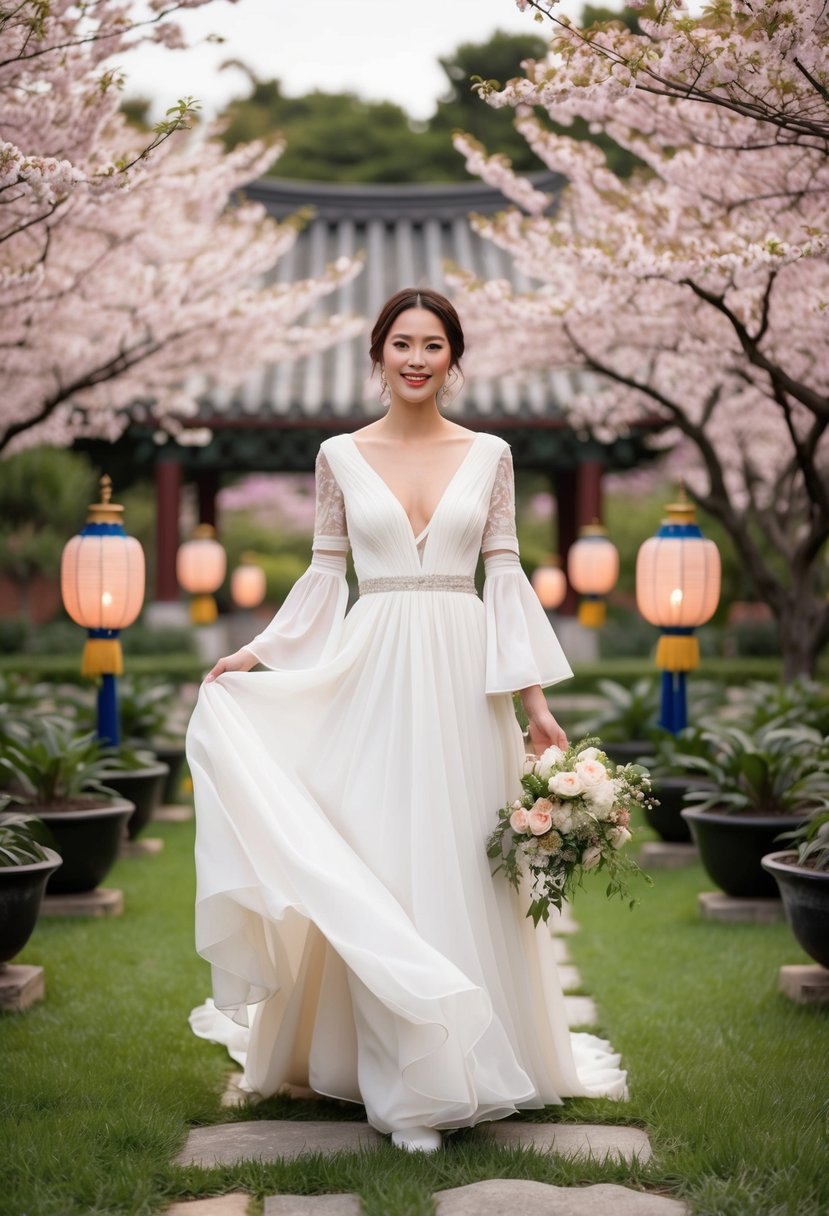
point(506, 1196)
point(596, 1140)
point(561, 951)
point(562, 922)
point(272, 1140)
point(570, 976)
point(234, 1204)
point(716, 905)
point(313, 1205)
point(667, 854)
point(286, 1139)
point(581, 1011)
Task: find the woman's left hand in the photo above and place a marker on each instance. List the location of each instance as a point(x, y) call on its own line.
point(545, 732)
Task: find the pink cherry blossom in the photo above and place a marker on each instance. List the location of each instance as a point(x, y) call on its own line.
point(128, 280)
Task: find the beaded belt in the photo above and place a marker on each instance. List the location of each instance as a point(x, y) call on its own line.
point(419, 582)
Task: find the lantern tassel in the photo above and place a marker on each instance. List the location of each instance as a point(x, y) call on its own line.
point(203, 610)
point(592, 613)
point(678, 652)
point(102, 657)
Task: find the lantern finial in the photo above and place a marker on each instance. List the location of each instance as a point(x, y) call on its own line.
point(105, 511)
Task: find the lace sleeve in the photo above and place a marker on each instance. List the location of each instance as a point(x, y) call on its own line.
point(330, 526)
point(499, 530)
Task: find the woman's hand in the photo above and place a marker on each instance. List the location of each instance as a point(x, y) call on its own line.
point(545, 732)
point(241, 660)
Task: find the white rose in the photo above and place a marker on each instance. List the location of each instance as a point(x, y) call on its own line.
point(592, 772)
point(566, 785)
point(602, 797)
point(618, 837)
point(589, 753)
point(548, 760)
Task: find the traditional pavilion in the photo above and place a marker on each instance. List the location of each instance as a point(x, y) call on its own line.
point(278, 418)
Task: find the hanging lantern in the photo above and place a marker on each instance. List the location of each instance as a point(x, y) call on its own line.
point(102, 585)
point(550, 583)
point(201, 564)
point(677, 589)
point(593, 568)
point(248, 583)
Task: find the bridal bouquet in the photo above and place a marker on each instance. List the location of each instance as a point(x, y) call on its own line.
point(574, 816)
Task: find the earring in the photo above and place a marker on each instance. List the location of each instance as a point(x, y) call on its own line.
point(447, 392)
point(385, 393)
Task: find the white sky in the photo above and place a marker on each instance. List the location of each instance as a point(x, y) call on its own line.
point(381, 49)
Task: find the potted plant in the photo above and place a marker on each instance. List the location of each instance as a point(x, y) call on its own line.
point(58, 774)
point(26, 861)
point(761, 784)
point(138, 776)
point(672, 779)
point(802, 877)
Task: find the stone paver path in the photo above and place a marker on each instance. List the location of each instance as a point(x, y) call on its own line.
point(596, 1140)
point(506, 1196)
point(581, 1011)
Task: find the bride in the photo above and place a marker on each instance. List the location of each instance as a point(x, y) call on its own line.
point(358, 942)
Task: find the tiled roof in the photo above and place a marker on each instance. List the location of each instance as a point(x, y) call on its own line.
point(408, 233)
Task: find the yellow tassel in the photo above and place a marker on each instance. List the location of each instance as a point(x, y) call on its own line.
point(678, 652)
point(203, 610)
point(592, 613)
point(102, 657)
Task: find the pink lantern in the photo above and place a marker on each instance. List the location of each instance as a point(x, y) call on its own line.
point(248, 583)
point(102, 583)
point(550, 583)
point(593, 568)
point(678, 585)
point(201, 564)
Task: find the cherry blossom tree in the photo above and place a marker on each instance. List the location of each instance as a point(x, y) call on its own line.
point(129, 280)
point(695, 293)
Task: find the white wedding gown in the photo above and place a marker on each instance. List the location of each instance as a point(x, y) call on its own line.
point(359, 943)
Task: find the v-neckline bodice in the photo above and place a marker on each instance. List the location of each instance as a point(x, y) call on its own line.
point(394, 497)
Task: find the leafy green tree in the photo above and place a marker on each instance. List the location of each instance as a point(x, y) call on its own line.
point(44, 493)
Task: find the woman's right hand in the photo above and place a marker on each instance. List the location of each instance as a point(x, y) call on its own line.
point(241, 660)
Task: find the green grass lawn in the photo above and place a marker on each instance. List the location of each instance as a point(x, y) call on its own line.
point(101, 1082)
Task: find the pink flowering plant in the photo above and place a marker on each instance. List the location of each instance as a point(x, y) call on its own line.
point(573, 816)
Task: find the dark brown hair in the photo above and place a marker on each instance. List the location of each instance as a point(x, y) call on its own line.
point(414, 297)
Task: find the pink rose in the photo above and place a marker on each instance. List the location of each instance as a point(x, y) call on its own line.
point(592, 772)
point(519, 820)
point(540, 818)
point(566, 785)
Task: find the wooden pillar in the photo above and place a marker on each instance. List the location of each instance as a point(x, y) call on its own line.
point(566, 487)
point(167, 495)
point(589, 492)
point(207, 486)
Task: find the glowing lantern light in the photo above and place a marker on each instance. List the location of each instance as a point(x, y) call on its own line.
point(248, 583)
point(677, 589)
point(102, 586)
point(593, 568)
point(550, 583)
point(201, 563)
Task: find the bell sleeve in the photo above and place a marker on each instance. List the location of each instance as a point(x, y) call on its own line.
point(306, 629)
point(521, 645)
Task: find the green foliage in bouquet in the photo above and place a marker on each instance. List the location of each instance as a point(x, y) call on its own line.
point(573, 816)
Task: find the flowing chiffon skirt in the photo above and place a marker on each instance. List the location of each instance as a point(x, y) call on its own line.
point(359, 943)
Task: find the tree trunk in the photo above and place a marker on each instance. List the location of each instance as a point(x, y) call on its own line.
point(804, 631)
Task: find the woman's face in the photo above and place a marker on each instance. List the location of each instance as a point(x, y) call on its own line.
point(416, 355)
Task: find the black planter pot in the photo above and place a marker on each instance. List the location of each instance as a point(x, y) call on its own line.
point(732, 847)
point(805, 895)
point(666, 819)
point(88, 842)
point(171, 754)
point(141, 786)
point(21, 890)
point(630, 749)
